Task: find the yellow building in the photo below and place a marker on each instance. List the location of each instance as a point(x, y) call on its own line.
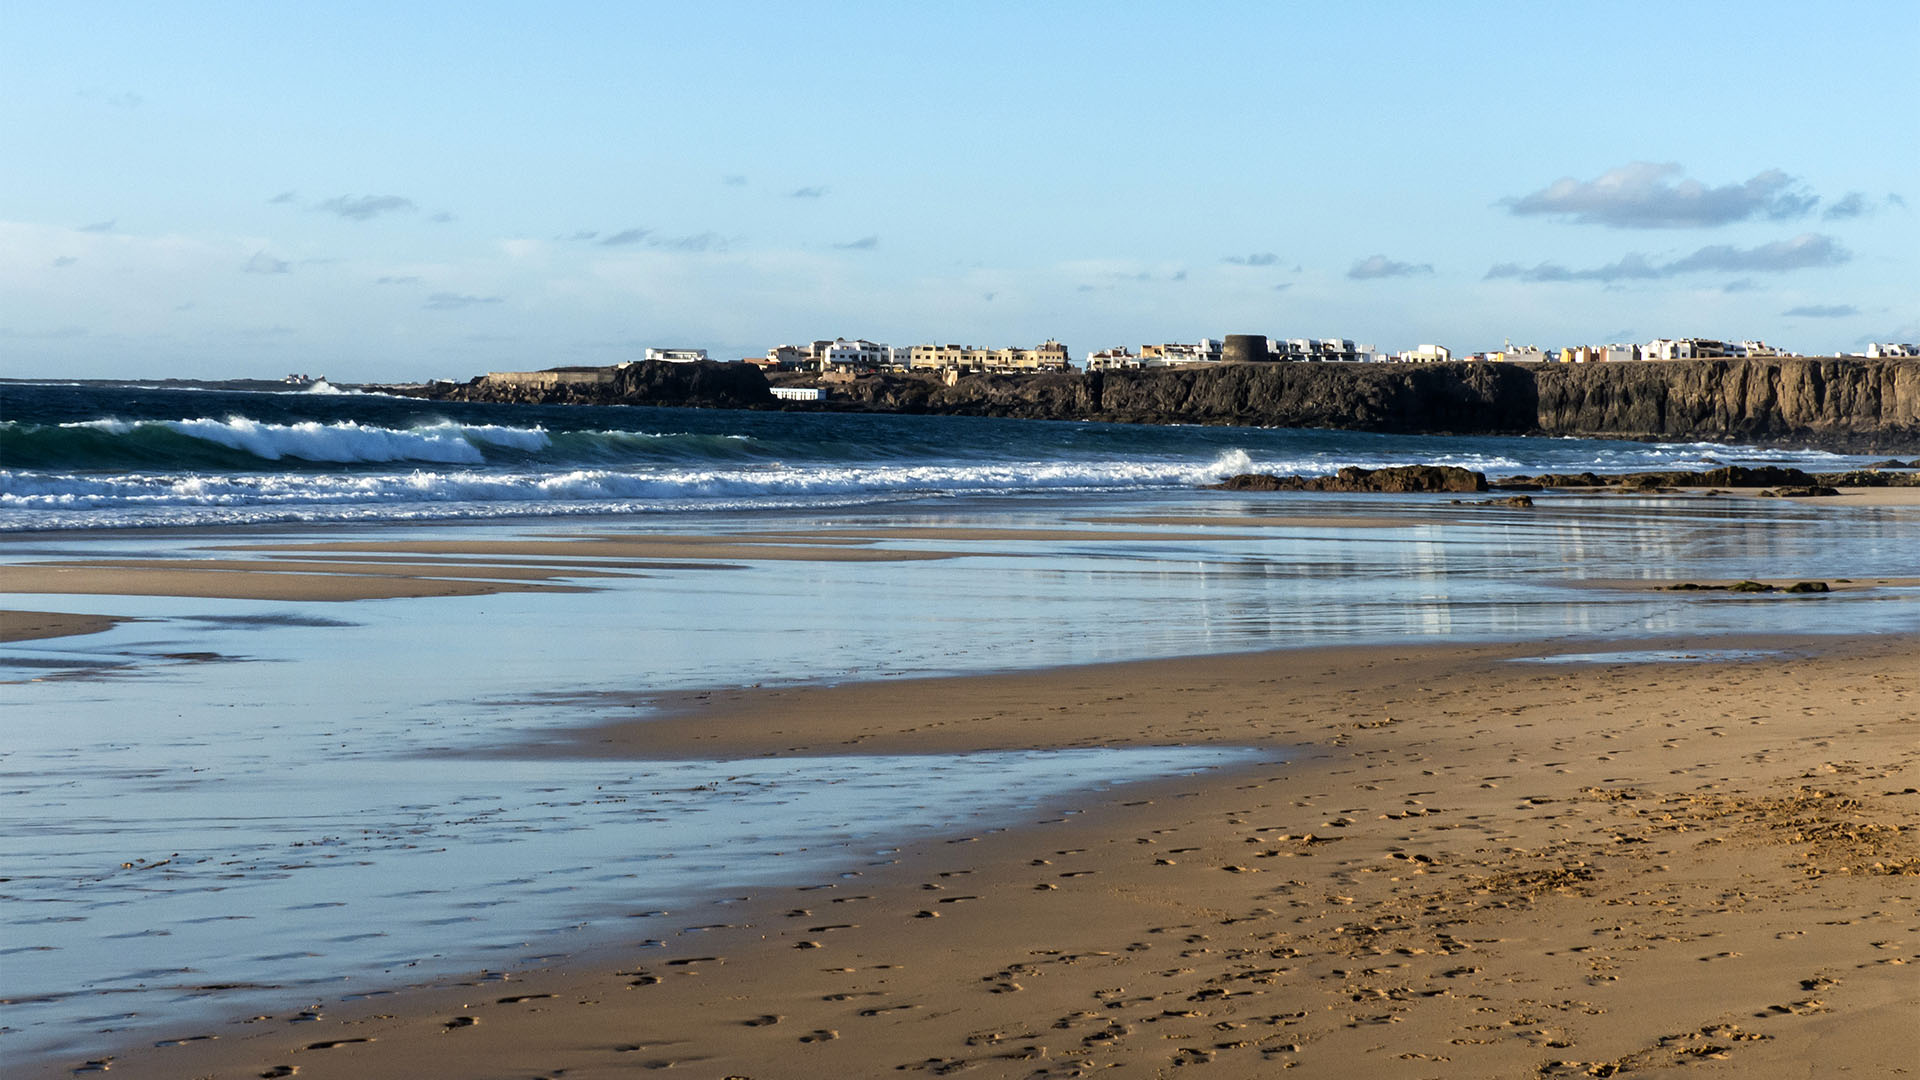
point(1049, 356)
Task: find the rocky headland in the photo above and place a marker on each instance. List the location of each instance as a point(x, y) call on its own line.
point(1840, 403)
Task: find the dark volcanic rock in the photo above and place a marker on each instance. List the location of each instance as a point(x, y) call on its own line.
point(1731, 476)
point(1868, 478)
point(650, 382)
point(1798, 588)
point(1831, 401)
point(1402, 478)
point(1437, 398)
point(1853, 404)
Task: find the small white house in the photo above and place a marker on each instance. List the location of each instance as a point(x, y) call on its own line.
point(678, 356)
point(800, 393)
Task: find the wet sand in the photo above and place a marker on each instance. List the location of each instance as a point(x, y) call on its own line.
point(1468, 867)
point(39, 625)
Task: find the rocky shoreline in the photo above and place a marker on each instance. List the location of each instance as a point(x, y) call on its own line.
point(1845, 404)
point(1771, 479)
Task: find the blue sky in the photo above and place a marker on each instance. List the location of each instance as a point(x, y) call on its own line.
point(380, 191)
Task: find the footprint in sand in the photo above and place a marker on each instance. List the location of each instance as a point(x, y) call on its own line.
point(331, 1043)
point(764, 1020)
point(279, 1071)
point(819, 1035)
point(189, 1039)
point(518, 998)
point(460, 1022)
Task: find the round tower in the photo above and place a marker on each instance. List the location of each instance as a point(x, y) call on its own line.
point(1244, 349)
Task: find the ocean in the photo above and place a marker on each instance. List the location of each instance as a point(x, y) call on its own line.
point(107, 457)
point(244, 804)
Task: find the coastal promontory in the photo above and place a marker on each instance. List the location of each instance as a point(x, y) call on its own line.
point(1842, 403)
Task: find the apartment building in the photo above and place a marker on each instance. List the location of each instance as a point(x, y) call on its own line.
point(1050, 355)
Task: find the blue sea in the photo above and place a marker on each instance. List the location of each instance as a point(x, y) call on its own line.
point(231, 806)
point(105, 457)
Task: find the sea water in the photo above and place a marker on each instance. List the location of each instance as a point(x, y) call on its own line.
point(76, 456)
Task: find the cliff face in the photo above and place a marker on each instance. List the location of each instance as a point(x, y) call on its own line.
point(1846, 404)
point(1449, 398)
point(1824, 401)
point(651, 382)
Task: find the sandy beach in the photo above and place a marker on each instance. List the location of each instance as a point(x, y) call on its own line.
point(1465, 866)
point(1565, 858)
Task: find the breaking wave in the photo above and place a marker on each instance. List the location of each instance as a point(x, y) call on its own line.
point(66, 500)
point(238, 442)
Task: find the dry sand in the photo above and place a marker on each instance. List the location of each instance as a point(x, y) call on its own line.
point(1469, 868)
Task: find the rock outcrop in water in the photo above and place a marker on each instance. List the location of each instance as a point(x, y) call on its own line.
point(1851, 404)
point(1394, 480)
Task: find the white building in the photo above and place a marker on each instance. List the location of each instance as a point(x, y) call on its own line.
point(1892, 348)
point(1614, 353)
point(678, 356)
point(859, 353)
point(789, 357)
point(799, 393)
point(1172, 354)
point(1427, 354)
point(1685, 349)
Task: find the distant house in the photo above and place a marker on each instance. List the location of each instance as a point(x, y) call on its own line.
point(678, 356)
point(1174, 354)
point(1048, 356)
point(788, 357)
point(1686, 349)
point(1427, 354)
point(857, 355)
point(1519, 354)
point(799, 393)
point(1112, 360)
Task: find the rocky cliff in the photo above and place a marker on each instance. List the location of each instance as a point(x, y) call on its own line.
point(650, 382)
point(1853, 404)
point(1846, 404)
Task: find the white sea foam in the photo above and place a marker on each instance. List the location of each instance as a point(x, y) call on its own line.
point(33, 499)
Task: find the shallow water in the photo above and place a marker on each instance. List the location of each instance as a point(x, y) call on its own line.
point(362, 872)
point(270, 770)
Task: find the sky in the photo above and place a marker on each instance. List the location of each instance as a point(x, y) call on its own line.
point(388, 192)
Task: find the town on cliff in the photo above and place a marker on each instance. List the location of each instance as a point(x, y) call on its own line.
point(843, 356)
point(1691, 388)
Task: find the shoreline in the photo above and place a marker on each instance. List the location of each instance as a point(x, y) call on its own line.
point(1468, 867)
